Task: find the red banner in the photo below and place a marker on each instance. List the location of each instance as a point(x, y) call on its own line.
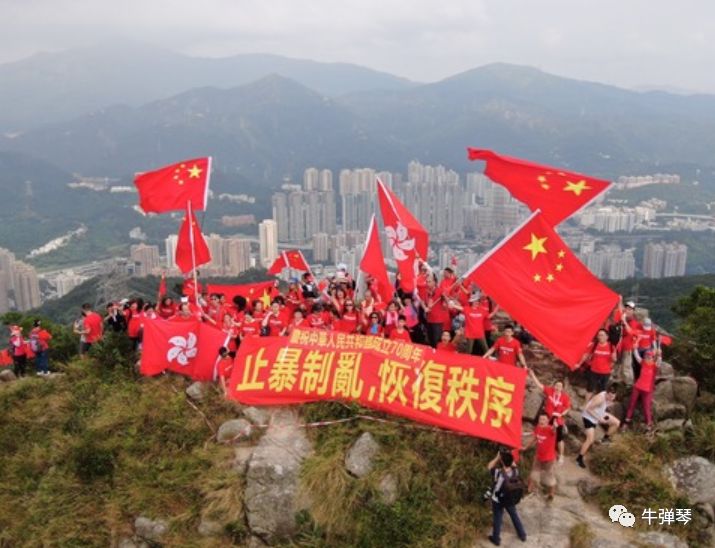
point(262, 291)
point(456, 391)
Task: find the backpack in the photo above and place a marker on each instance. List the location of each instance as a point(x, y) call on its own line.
point(512, 489)
point(615, 332)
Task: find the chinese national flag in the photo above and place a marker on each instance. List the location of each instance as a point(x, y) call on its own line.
point(174, 187)
point(557, 193)
point(408, 239)
point(289, 259)
point(190, 237)
point(262, 291)
point(189, 348)
point(373, 263)
point(542, 285)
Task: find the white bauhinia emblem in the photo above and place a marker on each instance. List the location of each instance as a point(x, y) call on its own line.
point(399, 241)
point(182, 349)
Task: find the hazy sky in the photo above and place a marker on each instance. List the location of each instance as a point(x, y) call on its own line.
point(624, 42)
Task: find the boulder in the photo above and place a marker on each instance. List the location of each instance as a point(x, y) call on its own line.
point(233, 430)
point(532, 404)
point(665, 371)
point(665, 540)
point(685, 391)
point(695, 477)
point(668, 425)
point(197, 390)
point(241, 456)
point(257, 415)
point(387, 489)
point(665, 411)
point(663, 393)
point(618, 410)
point(272, 478)
point(6, 375)
point(210, 528)
point(359, 459)
point(587, 486)
point(149, 529)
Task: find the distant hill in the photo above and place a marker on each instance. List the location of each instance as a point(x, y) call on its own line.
point(53, 87)
point(276, 127)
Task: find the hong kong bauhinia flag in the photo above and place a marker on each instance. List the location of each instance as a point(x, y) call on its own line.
point(407, 238)
point(540, 282)
point(373, 262)
point(289, 259)
point(173, 187)
point(191, 248)
point(189, 348)
point(556, 192)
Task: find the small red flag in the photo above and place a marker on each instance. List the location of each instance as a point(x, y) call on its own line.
point(293, 259)
point(162, 286)
point(373, 262)
point(540, 282)
point(665, 340)
point(191, 248)
point(408, 239)
point(556, 192)
point(173, 187)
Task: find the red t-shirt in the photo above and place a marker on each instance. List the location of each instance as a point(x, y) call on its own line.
point(646, 380)
point(646, 339)
point(225, 366)
point(446, 347)
point(556, 403)
point(438, 313)
point(167, 312)
point(545, 443)
point(507, 350)
point(601, 361)
point(94, 326)
point(474, 321)
point(397, 335)
point(628, 341)
point(135, 325)
point(276, 324)
point(252, 329)
point(348, 322)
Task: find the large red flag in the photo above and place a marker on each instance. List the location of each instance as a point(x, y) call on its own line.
point(189, 348)
point(373, 262)
point(191, 248)
point(540, 282)
point(293, 259)
point(174, 187)
point(408, 239)
point(556, 192)
point(262, 291)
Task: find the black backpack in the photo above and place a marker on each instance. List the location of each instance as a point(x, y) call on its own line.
point(615, 332)
point(512, 489)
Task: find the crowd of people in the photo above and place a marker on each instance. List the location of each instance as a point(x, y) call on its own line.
point(444, 312)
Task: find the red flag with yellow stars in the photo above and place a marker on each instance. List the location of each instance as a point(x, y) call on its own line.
point(261, 291)
point(542, 285)
point(292, 258)
point(557, 193)
point(174, 187)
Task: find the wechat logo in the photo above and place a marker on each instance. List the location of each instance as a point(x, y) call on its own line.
point(619, 513)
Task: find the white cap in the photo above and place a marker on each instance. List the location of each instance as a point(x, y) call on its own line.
point(630, 304)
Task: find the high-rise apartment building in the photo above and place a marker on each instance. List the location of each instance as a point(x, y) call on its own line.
point(27, 287)
point(145, 259)
point(237, 256)
point(653, 259)
point(268, 241)
point(170, 250)
point(664, 260)
point(321, 247)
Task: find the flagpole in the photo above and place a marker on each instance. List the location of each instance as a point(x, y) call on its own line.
point(193, 252)
point(358, 283)
point(306, 264)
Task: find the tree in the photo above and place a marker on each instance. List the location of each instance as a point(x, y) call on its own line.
point(694, 348)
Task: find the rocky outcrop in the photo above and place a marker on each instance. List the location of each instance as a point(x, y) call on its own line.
point(695, 477)
point(149, 529)
point(197, 391)
point(359, 458)
point(674, 398)
point(7, 376)
point(388, 489)
point(271, 499)
point(257, 415)
point(233, 431)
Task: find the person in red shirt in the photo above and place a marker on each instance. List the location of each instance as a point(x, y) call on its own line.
point(557, 404)
point(167, 308)
point(18, 350)
point(298, 321)
point(274, 321)
point(507, 348)
point(623, 371)
point(400, 332)
point(224, 368)
point(542, 470)
point(600, 357)
point(319, 318)
point(250, 326)
point(93, 327)
point(445, 344)
point(474, 316)
point(349, 319)
point(437, 313)
point(40, 345)
point(644, 387)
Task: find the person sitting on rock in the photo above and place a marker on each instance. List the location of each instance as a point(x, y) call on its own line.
point(542, 470)
point(594, 414)
point(557, 404)
point(644, 387)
